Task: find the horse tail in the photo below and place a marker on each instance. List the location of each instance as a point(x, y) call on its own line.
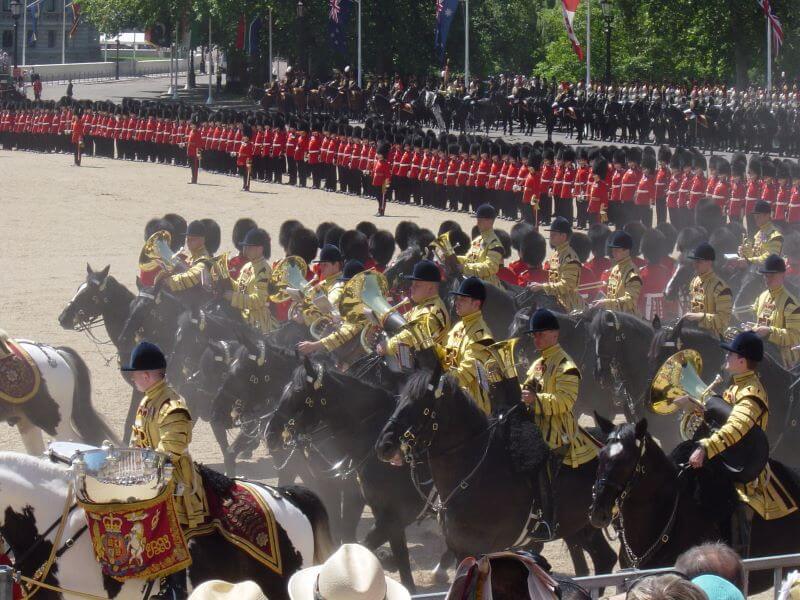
point(313, 508)
point(86, 422)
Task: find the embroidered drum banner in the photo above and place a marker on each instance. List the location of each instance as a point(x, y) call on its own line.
point(138, 540)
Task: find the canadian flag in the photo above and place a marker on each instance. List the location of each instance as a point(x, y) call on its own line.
point(568, 8)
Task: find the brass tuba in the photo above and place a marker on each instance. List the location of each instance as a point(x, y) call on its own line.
point(156, 252)
point(442, 247)
point(502, 364)
point(679, 376)
point(288, 280)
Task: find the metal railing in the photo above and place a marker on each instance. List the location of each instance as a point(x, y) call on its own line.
point(6, 583)
point(593, 584)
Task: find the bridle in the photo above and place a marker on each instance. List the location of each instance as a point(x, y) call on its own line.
point(87, 325)
point(623, 492)
point(620, 389)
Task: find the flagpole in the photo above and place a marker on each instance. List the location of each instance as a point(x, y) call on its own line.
point(210, 99)
point(177, 41)
point(64, 35)
point(588, 45)
point(24, 30)
point(359, 42)
point(270, 44)
point(769, 57)
point(466, 45)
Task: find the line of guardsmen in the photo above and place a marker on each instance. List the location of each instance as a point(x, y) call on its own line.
point(535, 181)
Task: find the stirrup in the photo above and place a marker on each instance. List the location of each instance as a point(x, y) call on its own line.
point(542, 532)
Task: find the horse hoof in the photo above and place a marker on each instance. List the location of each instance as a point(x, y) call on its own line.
point(387, 559)
point(439, 575)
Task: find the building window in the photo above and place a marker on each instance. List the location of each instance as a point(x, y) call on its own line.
point(51, 5)
point(8, 39)
point(6, 5)
point(51, 39)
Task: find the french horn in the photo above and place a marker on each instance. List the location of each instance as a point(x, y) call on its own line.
point(442, 247)
point(156, 252)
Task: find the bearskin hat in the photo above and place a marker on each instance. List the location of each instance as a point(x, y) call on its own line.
point(448, 225)
point(598, 236)
point(460, 241)
point(178, 230)
point(548, 154)
point(633, 154)
point(518, 231)
point(532, 248)
point(723, 167)
point(754, 166)
point(649, 162)
point(368, 228)
point(303, 243)
point(664, 154)
point(213, 235)
point(381, 247)
point(403, 233)
point(157, 224)
point(583, 153)
point(653, 245)
point(286, 232)
point(670, 236)
point(422, 238)
point(505, 239)
point(354, 246)
point(322, 230)
point(240, 229)
point(600, 167)
point(580, 242)
point(784, 170)
point(618, 157)
point(333, 235)
point(738, 168)
point(699, 161)
point(767, 168)
point(569, 154)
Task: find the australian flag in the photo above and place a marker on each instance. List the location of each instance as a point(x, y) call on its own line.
point(338, 13)
point(445, 11)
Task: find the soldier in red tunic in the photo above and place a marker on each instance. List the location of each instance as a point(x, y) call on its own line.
point(381, 177)
point(77, 135)
point(194, 148)
point(244, 157)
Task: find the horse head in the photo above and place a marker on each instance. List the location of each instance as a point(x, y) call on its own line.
point(618, 461)
point(87, 305)
point(608, 335)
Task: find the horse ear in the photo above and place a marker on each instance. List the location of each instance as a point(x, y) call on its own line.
point(641, 428)
point(608, 319)
point(104, 273)
point(656, 323)
point(605, 425)
point(88, 269)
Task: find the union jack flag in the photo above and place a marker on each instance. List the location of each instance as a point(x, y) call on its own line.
point(774, 23)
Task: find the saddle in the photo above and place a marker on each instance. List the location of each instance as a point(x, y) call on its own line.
point(20, 378)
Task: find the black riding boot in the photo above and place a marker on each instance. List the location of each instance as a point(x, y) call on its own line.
point(172, 587)
point(741, 524)
point(544, 528)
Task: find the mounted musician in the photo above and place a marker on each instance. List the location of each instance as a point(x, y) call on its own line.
point(251, 289)
point(564, 268)
point(348, 321)
point(778, 312)
point(466, 349)
point(764, 494)
point(711, 298)
point(624, 284)
point(550, 390)
point(429, 314)
point(194, 255)
point(163, 423)
point(327, 283)
point(766, 240)
point(485, 255)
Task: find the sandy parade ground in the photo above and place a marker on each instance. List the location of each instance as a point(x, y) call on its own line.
point(56, 218)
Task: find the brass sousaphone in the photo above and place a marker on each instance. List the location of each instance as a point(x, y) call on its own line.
point(156, 252)
point(679, 376)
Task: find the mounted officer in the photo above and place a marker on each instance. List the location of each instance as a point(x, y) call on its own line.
point(485, 255)
point(624, 283)
point(766, 240)
point(711, 298)
point(550, 390)
point(564, 268)
point(251, 289)
point(163, 423)
point(195, 255)
point(465, 350)
point(765, 494)
point(429, 314)
point(778, 312)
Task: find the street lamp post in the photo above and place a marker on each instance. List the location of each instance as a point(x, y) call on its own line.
point(16, 10)
point(301, 26)
point(608, 17)
point(116, 74)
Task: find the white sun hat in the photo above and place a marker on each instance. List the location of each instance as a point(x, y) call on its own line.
point(351, 573)
point(216, 589)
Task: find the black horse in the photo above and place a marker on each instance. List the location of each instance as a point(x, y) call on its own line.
point(659, 517)
point(484, 503)
point(353, 413)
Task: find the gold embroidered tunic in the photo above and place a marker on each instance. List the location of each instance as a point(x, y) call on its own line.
point(194, 274)
point(163, 423)
point(765, 495)
point(555, 379)
point(623, 288)
point(767, 240)
point(484, 257)
point(713, 298)
point(565, 278)
point(251, 295)
point(428, 316)
point(465, 354)
point(778, 310)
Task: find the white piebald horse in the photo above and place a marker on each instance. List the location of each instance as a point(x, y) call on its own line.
point(62, 407)
point(33, 496)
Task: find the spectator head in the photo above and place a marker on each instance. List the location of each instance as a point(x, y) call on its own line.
point(664, 587)
point(713, 558)
point(717, 588)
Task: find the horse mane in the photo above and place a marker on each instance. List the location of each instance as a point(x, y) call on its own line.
point(218, 483)
point(625, 320)
point(688, 333)
point(40, 475)
point(459, 404)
